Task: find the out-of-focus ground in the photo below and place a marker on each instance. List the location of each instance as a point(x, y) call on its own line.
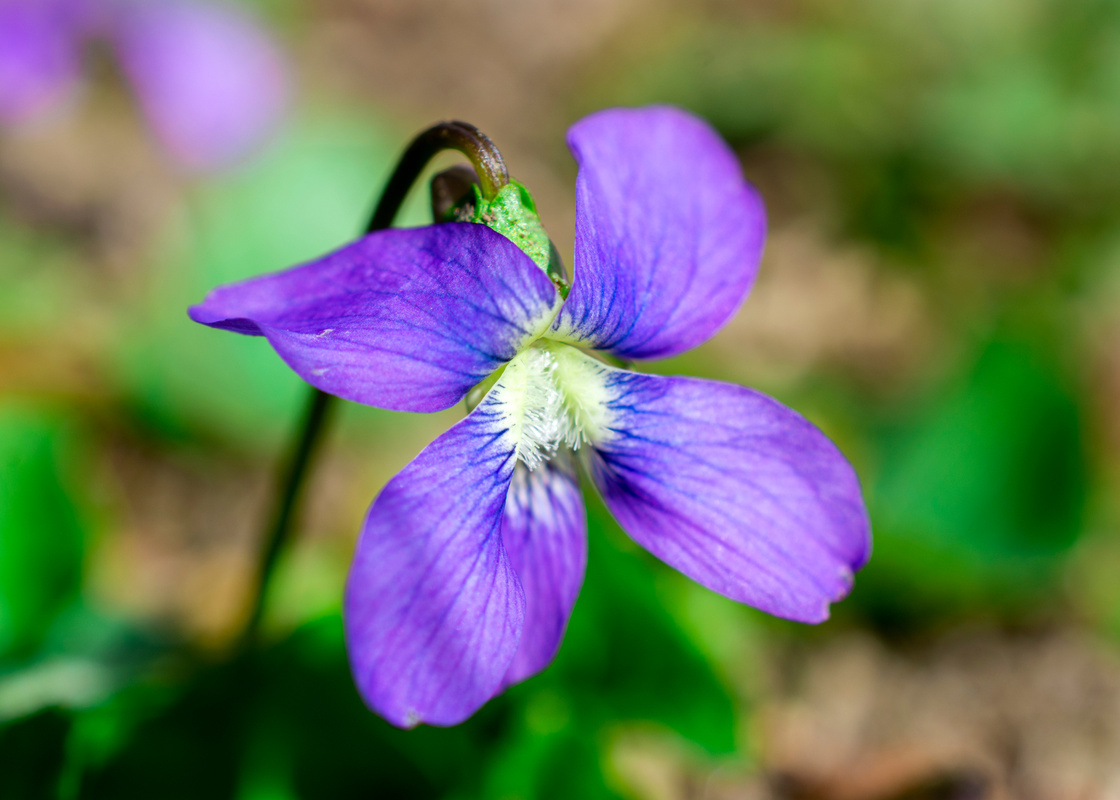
point(974, 713)
point(940, 293)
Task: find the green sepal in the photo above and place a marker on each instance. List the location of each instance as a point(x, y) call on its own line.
point(513, 214)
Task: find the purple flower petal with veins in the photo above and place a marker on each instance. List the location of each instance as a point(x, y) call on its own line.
point(403, 319)
point(545, 533)
point(471, 559)
point(720, 481)
point(434, 608)
point(668, 234)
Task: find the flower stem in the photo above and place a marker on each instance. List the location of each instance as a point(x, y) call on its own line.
point(461, 136)
point(493, 175)
point(280, 526)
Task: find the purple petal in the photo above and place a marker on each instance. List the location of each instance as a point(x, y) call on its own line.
point(433, 606)
point(209, 78)
point(40, 55)
point(668, 234)
point(408, 320)
point(545, 535)
point(736, 491)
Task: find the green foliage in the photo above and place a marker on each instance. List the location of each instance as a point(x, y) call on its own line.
point(289, 723)
point(41, 530)
point(996, 468)
point(981, 493)
point(611, 668)
point(32, 755)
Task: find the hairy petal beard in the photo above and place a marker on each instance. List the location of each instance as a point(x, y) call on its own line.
point(555, 397)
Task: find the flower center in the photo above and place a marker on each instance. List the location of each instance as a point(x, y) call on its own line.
point(554, 396)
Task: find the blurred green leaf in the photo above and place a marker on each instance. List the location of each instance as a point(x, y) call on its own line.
point(1011, 121)
point(285, 723)
point(981, 494)
point(548, 766)
point(84, 658)
point(185, 741)
point(59, 682)
point(41, 530)
point(626, 658)
point(32, 753)
point(997, 467)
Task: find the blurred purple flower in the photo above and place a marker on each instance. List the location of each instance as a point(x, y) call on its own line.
point(209, 79)
point(471, 558)
point(38, 55)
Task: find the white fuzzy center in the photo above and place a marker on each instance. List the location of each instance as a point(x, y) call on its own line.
point(554, 396)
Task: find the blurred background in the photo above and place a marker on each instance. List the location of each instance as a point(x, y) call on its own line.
point(940, 293)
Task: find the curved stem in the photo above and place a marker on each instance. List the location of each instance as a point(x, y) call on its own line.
point(461, 136)
point(492, 174)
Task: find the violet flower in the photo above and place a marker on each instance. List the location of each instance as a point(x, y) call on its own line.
point(470, 559)
point(209, 80)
